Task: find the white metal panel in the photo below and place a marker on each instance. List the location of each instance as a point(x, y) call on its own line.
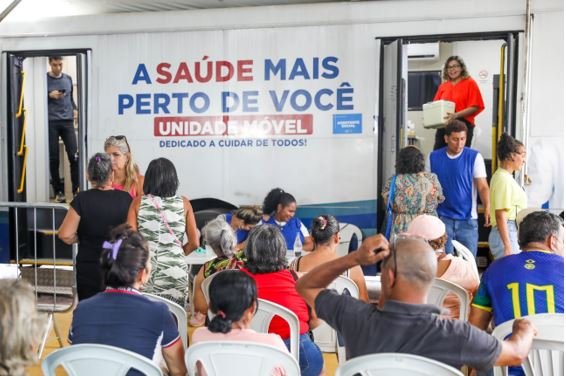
point(35, 104)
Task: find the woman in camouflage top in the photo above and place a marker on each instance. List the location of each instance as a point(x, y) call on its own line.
point(163, 217)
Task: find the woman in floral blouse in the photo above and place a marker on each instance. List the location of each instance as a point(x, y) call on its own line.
point(416, 191)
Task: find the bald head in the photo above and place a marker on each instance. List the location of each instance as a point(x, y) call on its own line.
point(416, 262)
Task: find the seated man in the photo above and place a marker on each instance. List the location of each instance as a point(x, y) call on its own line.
point(527, 283)
point(403, 322)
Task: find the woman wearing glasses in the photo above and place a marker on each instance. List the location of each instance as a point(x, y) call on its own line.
point(507, 198)
point(126, 175)
point(93, 213)
point(325, 234)
point(460, 88)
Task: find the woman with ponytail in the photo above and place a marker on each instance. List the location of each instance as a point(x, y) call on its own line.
point(219, 235)
point(507, 197)
point(233, 300)
point(279, 209)
point(93, 213)
point(121, 316)
point(325, 234)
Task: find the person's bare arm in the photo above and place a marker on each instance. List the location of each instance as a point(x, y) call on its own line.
point(461, 114)
point(479, 318)
point(516, 348)
point(190, 228)
point(133, 213)
point(174, 356)
point(199, 299)
point(68, 230)
point(357, 276)
point(139, 186)
point(316, 280)
point(501, 221)
point(483, 191)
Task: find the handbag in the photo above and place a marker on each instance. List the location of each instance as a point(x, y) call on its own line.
point(164, 219)
point(390, 207)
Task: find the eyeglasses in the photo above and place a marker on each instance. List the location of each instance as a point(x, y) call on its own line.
point(118, 138)
point(454, 66)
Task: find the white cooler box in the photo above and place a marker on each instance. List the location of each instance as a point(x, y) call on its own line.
point(434, 113)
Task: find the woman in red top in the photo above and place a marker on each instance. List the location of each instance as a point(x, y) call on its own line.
point(460, 88)
point(267, 265)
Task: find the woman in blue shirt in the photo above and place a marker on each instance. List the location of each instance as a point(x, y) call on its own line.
point(242, 220)
point(280, 207)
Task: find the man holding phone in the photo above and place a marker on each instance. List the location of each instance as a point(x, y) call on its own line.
point(62, 112)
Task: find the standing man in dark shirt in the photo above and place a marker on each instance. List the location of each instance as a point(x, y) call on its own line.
point(62, 112)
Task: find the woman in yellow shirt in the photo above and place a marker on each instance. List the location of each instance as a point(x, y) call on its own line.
point(507, 197)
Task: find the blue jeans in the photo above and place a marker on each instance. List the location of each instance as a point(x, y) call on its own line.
point(465, 231)
point(310, 356)
point(496, 243)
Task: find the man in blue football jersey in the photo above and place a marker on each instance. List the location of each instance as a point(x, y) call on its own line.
point(528, 283)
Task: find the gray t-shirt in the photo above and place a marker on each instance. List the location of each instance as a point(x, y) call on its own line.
point(60, 109)
point(406, 328)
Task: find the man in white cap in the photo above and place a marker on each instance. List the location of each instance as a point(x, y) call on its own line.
point(449, 268)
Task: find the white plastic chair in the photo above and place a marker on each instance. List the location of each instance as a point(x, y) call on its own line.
point(467, 255)
point(266, 310)
point(205, 286)
point(233, 358)
point(324, 336)
point(395, 364)
point(546, 357)
point(177, 311)
point(440, 288)
point(96, 360)
point(346, 232)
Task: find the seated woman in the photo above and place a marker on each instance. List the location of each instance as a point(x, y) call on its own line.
point(220, 237)
point(450, 268)
point(325, 234)
point(233, 299)
point(121, 316)
point(279, 209)
point(242, 220)
point(20, 327)
point(267, 265)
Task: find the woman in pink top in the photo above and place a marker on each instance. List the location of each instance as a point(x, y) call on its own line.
point(449, 268)
point(233, 299)
point(126, 176)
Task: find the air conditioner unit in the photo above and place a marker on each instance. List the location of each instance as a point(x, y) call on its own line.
point(423, 51)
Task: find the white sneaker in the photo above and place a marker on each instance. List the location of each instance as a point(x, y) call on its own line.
point(60, 197)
